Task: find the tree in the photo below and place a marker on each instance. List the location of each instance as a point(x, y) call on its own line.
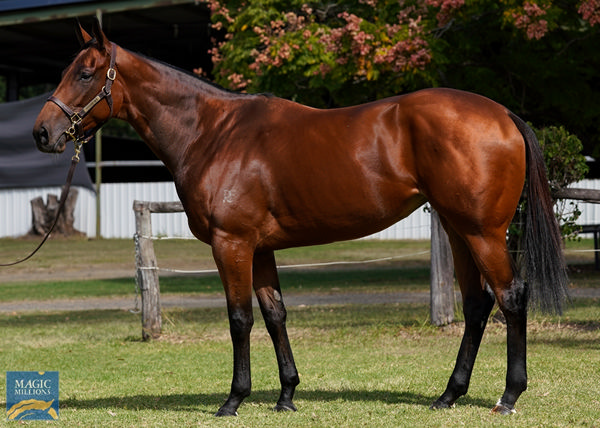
point(324, 54)
point(537, 57)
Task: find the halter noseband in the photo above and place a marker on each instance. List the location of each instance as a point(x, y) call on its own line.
point(75, 131)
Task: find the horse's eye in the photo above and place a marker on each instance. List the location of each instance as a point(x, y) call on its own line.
point(86, 76)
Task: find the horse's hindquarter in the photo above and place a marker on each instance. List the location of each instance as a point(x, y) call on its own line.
point(470, 156)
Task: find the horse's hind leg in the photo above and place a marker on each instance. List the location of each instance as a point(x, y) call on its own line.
point(490, 253)
point(511, 294)
point(268, 293)
point(478, 301)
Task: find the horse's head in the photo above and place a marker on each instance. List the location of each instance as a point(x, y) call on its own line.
point(84, 99)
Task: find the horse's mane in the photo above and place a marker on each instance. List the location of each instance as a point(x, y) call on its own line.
point(199, 78)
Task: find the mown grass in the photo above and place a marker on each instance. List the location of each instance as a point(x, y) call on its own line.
point(408, 271)
point(361, 365)
point(366, 280)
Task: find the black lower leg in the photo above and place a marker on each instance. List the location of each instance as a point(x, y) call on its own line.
point(275, 315)
point(268, 292)
point(240, 326)
point(514, 307)
point(476, 312)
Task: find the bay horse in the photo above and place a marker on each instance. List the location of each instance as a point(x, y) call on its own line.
point(256, 173)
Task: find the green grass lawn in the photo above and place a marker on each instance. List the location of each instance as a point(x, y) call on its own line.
point(362, 365)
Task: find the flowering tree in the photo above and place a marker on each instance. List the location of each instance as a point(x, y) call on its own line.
point(317, 52)
point(349, 51)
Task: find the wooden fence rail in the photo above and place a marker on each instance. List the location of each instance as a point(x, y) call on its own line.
point(442, 271)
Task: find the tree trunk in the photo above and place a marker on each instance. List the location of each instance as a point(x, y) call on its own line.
point(43, 215)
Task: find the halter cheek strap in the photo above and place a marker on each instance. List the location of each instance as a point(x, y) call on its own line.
point(75, 130)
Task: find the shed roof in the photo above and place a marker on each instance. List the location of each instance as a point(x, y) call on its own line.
point(37, 37)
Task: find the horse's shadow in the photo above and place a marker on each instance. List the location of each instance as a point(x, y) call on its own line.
point(190, 402)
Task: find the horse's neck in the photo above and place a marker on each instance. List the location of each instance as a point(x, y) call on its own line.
point(164, 106)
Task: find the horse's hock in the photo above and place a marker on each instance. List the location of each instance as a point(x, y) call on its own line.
point(43, 215)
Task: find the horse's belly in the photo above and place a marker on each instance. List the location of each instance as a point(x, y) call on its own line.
point(338, 221)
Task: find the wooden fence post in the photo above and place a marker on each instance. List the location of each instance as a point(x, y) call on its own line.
point(146, 272)
point(442, 274)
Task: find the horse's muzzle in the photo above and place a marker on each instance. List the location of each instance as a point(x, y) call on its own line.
point(41, 137)
point(42, 141)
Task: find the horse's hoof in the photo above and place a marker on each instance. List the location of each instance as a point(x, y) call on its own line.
point(285, 408)
point(503, 409)
point(226, 412)
point(438, 405)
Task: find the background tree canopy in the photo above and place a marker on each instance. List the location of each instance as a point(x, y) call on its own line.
point(539, 58)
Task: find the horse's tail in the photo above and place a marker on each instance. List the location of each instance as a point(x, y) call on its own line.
point(543, 261)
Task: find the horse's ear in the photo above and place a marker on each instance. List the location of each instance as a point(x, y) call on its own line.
point(81, 34)
point(99, 34)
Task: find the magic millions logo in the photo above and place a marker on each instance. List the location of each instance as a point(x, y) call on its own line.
point(31, 395)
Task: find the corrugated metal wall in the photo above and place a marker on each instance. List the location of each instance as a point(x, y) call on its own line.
point(118, 220)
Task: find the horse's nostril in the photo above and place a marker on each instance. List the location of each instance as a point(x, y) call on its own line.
point(41, 136)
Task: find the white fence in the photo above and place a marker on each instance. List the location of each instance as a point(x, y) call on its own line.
point(117, 219)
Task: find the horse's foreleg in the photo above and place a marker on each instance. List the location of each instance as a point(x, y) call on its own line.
point(478, 301)
point(234, 261)
point(513, 303)
point(268, 293)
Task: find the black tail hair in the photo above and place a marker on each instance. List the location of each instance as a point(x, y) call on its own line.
point(543, 262)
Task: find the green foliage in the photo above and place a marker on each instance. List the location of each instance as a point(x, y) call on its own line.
point(562, 154)
point(323, 54)
point(565, 165)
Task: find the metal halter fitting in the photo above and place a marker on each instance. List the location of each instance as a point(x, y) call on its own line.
point(75, 131)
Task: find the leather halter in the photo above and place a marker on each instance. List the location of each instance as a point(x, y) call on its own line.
point(75, 130)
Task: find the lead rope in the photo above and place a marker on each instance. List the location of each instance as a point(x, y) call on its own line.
point(61, 205)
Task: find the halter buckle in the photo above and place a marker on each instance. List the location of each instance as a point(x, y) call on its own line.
point(111, 74)
point(75, 119)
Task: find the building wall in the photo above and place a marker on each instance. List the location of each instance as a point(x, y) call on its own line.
point(118, 220)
